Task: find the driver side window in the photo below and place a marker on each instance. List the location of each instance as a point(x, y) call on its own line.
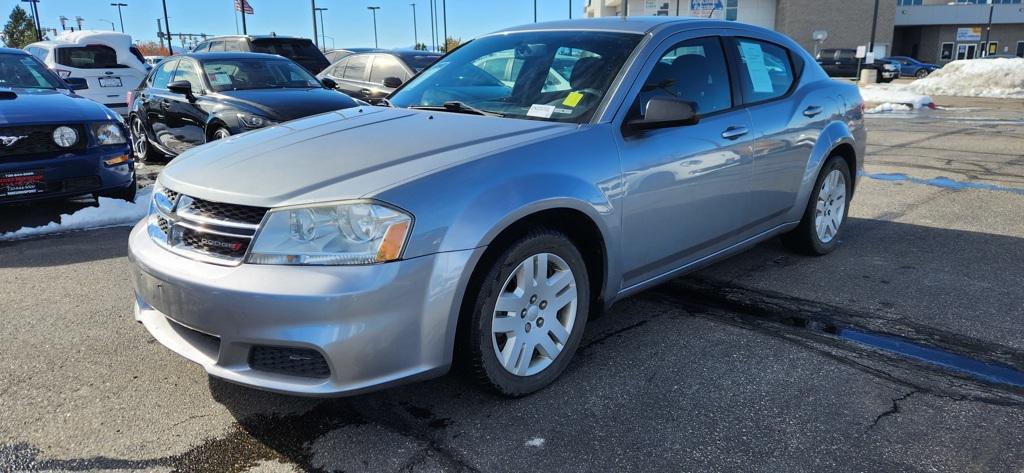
point(695, 71)
point(187, 72)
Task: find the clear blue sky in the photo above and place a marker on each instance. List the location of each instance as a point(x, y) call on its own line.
point(348, 21)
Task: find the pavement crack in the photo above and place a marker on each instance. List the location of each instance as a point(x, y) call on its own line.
point(893, 410)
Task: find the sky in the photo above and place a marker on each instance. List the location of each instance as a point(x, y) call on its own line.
point(347, 21)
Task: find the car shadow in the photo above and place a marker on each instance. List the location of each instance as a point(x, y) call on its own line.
point(65, 248)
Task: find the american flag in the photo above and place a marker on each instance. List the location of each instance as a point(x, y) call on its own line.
point(243, 6)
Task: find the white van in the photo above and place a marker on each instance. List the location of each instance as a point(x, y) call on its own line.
point(109, 63)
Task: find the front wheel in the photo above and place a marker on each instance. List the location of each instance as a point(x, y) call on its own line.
point(822, 223)
point(529, 314)
point(220, 134)
point(921, 74)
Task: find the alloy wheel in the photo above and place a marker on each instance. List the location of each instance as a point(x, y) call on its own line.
point(534, 315)
point(139, 144)
point(221, 133)
point(831, 206)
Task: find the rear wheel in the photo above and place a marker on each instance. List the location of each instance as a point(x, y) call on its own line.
point(921, 74)
point(529, 314)
point(822, 223)
point(144, 151)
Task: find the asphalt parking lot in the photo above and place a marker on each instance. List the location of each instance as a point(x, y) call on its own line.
point(768, 361)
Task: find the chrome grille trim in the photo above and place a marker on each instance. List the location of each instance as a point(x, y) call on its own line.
point(205, 236)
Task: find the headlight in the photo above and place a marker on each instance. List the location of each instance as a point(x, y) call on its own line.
point(253, 121)
point(108, 134)
point(344, 233)
point(65, 136)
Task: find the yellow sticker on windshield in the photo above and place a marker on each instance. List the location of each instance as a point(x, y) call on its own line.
point(573, 99)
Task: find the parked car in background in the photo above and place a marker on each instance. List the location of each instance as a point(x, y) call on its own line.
point(110, 64)
point(335, 55)
point(195, 98)
point(54, 143)
point(373, 76)
point(843, 63)
point(300, 50)
point(153, 60)
point(339, 254)
point(910, 67)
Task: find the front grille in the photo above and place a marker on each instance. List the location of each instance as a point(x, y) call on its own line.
point(37, 139)
point(291, 361)
point(213, 232)
point(227, 212)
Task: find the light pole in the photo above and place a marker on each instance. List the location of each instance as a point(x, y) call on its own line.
point(315, 39)
point(415, 33)
point(444, 16)
point(167, 27)
point(535, 10)
point(332, 41)
point(374, 11)
point(112, 27)
point(323, 42)
point(433, 26)
point(35, 18)
point(119, 16)
point(988, 32)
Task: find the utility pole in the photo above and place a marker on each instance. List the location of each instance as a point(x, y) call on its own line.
point(79, 20)
point(167, 27)
point(245, 28)
point(534, 11)
point(871, 42)
point(119, 16)
point(415, 33)
point(316, 40)
point(159, 34)
point(374, 11)
point(63, 22)
point(34, 9)
point(988, 32)
point(433, 28)
point(444, 15)
point(323, 39)
point(570, 9)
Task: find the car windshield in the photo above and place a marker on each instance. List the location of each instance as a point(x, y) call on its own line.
point(546, 75)
point(251, 73)
point(24, 72)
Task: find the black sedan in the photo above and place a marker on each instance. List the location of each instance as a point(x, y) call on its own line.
point(374, 75)
point(191, 99)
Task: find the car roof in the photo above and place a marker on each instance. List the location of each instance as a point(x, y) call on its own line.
point(230, 55)
point(255, 36)
point(632, 24)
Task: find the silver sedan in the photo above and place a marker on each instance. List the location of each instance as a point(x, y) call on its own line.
point(493, 204)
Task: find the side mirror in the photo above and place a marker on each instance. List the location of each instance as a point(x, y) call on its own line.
point(666, 112)
point(392, 82)
point(76, 83)
point(329, 83)
point(180, 87)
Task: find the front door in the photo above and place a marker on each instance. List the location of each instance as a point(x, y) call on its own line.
point(185, 121)
point(686, 188)
point(965, 51)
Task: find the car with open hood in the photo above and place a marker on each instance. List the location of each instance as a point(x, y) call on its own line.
point(481, 221)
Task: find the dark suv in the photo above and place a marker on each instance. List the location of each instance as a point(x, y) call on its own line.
point(843, 63)
point(300, 50)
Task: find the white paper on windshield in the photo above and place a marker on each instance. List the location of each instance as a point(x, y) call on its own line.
point(754, 57)
point(541, 111)
point(220, 78)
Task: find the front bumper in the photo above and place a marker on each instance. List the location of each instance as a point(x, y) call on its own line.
point(376, 325)
point(74, 174)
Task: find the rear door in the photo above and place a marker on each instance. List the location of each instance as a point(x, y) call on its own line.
point(354, 78)
point(109, 81)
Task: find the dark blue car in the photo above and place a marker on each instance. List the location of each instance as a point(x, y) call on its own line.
point(910, 67)
point(56, 144)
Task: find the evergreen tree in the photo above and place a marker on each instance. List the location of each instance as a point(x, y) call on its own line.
point(20, 29)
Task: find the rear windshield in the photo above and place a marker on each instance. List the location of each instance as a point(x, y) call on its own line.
point(289, 48)
point(94, 56)
point(24, 71)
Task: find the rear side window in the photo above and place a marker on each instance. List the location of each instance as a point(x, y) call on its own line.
point(846, 54)
point(216, 46)
point(162, 75)
point(766, 71)
point(695, 71)
point(288, 48)
point(94, 56)
point(233, 45)
point(356, 68)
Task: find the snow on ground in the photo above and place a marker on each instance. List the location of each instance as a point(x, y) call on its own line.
point(535, 442)
point(109, 213)
point(893, 98)
point(1000, 77)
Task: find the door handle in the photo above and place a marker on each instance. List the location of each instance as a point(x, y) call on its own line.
point(734, 132)
point(812, 111)
point(366, 92)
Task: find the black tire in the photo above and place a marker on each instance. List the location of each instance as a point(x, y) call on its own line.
point(143, 149)
point(921, 74)
point(804, 238)
point(476, 349)
point(219, 133)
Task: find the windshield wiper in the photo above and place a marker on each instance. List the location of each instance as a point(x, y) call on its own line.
point(456, 106)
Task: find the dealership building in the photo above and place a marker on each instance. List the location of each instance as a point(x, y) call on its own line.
point(931, 30)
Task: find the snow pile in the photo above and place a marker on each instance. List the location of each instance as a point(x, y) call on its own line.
point(1000, 77)
point(109, 213)
point(892, 98)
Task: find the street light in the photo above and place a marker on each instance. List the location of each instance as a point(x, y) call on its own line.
point(415, 33)
point(119, 16)
point(323, 43)
point(332, 41)
point(374, 10)
point(112, 27)
point(35, 17)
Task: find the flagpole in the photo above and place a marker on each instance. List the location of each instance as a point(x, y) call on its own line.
point(236, 21)
point(244, 4)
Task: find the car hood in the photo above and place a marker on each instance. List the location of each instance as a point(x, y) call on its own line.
point(289, 104)
point(48, 106)
point(346, 154)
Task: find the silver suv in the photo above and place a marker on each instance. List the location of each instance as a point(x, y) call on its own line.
point(486, 212)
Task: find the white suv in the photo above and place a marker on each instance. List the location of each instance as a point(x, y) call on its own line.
point(107, 61)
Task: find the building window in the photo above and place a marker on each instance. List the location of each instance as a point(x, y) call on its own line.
point(731, 9)
point(946, 52)
point(909, 2)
